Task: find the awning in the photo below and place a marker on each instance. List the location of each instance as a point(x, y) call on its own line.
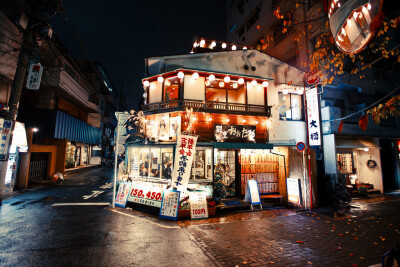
point(355, 143)
point(227, 145)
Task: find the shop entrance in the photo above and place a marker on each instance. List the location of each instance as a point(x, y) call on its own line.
point(38, 166)
point(227, 160)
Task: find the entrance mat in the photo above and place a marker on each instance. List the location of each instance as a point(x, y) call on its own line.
point(231, 202)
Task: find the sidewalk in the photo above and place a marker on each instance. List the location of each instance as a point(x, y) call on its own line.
point(288, 238)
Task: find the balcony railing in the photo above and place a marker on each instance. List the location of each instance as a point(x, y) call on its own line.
point(207, 106)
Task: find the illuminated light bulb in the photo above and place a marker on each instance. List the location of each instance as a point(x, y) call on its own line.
point(195, 76)
point(256, 122)
point(265, 84)
point(194, 118)
point(213, 44)
point(227, 79)
point(227, 119)
point(253, 83)
point(268, 123)
point(233, 47)
point(210, 119)
point(285, 91)
point(338, 4)
point(181, 75)
point(160, 79)
point(202, 43)
point(369, 6)
point(235, 85)
point(329, 15)
point(355, 15)
point(244, 48)
point(144, 95)
point(221, 84)
point(208, 83)
point(366, 149)
point(167, 83)
point(244, 120)
point(343, 32)
point(241, 81)
point(195, 45)
point(333, 5)
point(223, 45)
point(364, 9)
point(349, 22)
point(211, 77)
point(146, 83)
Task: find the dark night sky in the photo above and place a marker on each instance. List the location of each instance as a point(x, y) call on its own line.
point(122, 33)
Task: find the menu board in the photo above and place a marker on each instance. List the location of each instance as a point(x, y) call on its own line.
point(122, 195)
point(252, 194)
point(293, 190)
point(198, 205)
point(169, 205)
point(146, 193)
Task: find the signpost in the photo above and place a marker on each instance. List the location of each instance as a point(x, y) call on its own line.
point(198, 205)
point(34, 76)
point(121, 117)
point(252, 194)
point(122, 195)
point(300, 146)
point(170, 205)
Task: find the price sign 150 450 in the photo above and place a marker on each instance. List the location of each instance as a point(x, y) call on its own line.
point(135, 192)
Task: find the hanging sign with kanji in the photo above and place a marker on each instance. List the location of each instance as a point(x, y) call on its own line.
point(5, 133)
point(34, 76)
point(122, 195)
point(185, 150)
point(169, 205)
point(314, 127)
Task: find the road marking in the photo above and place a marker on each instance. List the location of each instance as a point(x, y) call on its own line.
point(146, 220)
point(106, 186)
point(82, 204)
point(94, 194)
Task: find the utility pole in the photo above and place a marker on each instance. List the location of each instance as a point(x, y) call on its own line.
point(19, 77)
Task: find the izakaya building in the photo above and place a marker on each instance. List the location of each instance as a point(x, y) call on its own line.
point(248, 114)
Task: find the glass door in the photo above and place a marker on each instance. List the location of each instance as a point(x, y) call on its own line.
point(227, 163)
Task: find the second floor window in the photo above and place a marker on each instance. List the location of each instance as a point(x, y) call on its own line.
point(171, 88)
point(291, 107)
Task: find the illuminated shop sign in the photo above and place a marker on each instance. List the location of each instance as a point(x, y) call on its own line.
point(235, 133)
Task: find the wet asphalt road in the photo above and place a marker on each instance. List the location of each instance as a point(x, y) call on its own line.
point(35, 232)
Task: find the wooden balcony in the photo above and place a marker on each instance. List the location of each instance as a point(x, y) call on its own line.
point(207, 106)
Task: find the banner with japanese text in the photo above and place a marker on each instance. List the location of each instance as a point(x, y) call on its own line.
point(314, 127)
point(185, 150)
point(5, 133)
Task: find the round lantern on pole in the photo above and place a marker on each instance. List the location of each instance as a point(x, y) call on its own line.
point(354, 23)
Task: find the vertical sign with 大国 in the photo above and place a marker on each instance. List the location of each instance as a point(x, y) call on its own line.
point(314, 127)
point(5, 132)
point(185, 149)
point(122, 195)
point(198, 205)
point(170, 205)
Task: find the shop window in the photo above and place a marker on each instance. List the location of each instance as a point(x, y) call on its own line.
point(150, 162)
point(345, 163)
point(291, 107)
point(202, 165)
point(220, 92)
point(171, 88)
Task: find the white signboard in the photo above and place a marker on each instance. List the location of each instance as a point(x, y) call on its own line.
point(120, 130)
point(185, 150)
point(198, 205)
point(293, 190)
point(170, 205)
point(5, 132)
point(314, 127)
point(122, 195)
point(146, 193)
point(252, 194)
point(34, 77)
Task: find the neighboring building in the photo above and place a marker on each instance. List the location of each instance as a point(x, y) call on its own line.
point(253, 23)
point(228, 99)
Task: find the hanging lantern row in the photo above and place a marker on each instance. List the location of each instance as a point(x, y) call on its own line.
point(351, 21)
point(210, 78)
point(217, 45)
